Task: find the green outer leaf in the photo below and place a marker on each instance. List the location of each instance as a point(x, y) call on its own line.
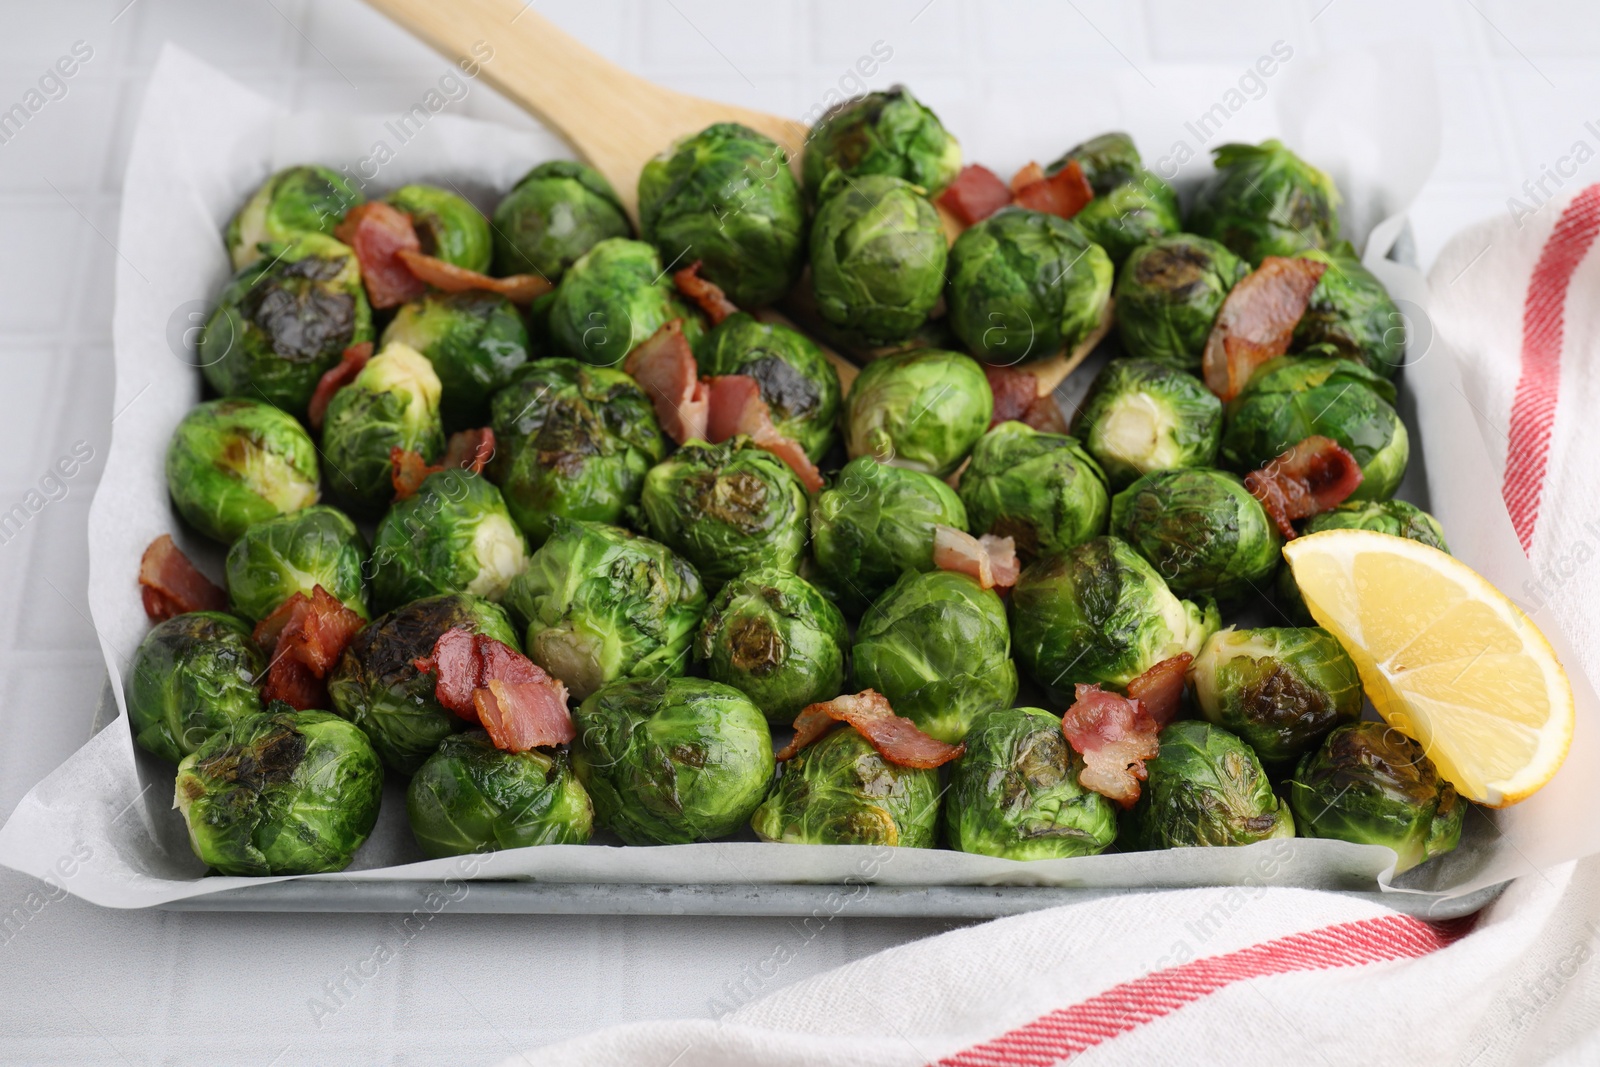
point(295, 200)
point(1351, 310)
point(798, 383)
point(1042, 490)
point(235, 462)
point(1264, 201)
point(840, 791)
point(922, 409)
point(888, 132)
point(1129, 215)
point(1142, 416)
point(878, 255)
point(295, 553)
point(1168, 295)
point(556, 213)
point(193, 677)
point(1205, 788)
point(611, 300)
point(1201, 530)
point(453, 535)
point(392, 403)
point(471, 797)
point(475, 341)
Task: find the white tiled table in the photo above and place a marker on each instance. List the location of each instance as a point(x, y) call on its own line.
point(81, 984)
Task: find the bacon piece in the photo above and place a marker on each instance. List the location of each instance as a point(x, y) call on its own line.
point(305, 636)
point(1313, 476)
point(735, 407)
point(1159, 690)
point(517, 288)
point(336, 378)
point(664, 367)
point(1114, 735)
point(1063, 193)
point(976, 194)
point(1014, 392)
point(1026, 177)
point(1044, 415)
point(486, 681)
point(897, 740)
point(524, 715)
point(1257, 321)
point(470, 450)
point(170, 584)
point(708, 295)
point(379, 233)
point(408, 470)
point(991, 560)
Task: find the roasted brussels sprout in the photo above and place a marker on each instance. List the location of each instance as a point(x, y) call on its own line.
point(923, 409)
point(1278, 688)
point(475, 340)
point(556, 213)
point(378, 687)
point(1372, 785)
point(1264, 201)
point(296, 200)
point(236, 462)
point(283, 322)
point(193, 677)
point(600, 604)
point(1169, 294)
point(876, 521)
point(1024, 285)
point(614, 297)
point(1099, 613)
point(573, 441)
point(727, 198)
point(672, 760)
point(774, 637)
point(1107, 161)
point(840, 791)
point(392, 403)
point(1206, 788)
point(448, 225)
point(937, 646)
point(877, 257)
point(726, 509)
point(1352, 311)
point(453, 535)
point(1142, 416)
point(472, 797)
point(887, 132)
point(798, 383)
point(1293, 397)
point(1015, 793)
point(1042, 490)
point(295, 553)
point(1201, 530)
point(1131, 206)
point(1393, 517)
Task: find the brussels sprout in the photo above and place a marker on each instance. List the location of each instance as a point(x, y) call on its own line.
point(1015, 793)
point(472, 797)
point(672, 760)
point(1099, 613)
point(887, 132)
point(1024, 285)
point(392, 403)
point(774, 637)
point(283, 322)
point(453, 535)
point(1264, 201)
point(235, 462)
point(475, 340)
point(1131, 206)
point(726, 509)
point(1351, 311)
point(1042, 490)
point(923, 410)
point(1206, 787)
point(1393, 517)
point(556, 213)
point(1107, 161)
point(840, 791)
point(600, 604)
point(1201, 530)
point(727, 198)
point(283, 792)
point(294, 201)
point(192, 678)
point(875, 522)
point(1169, 294)
point(377, 686)
point(295, 553)
point(573, 441)
point(877, 257)
point(1278, 688)
point(448, 225)
point(1372, 785)
point(937, 646)
point(798, 383)
point(613, 298)
point(1292, 397)
point(1142, 416)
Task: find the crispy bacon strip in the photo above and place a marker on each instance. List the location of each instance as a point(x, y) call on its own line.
point(170, 584)
point(664, 367)
point(470, 450)
point(1313, 476)
point(1044, 415)
point(1114, 735)
point(1014, 391)
point(408, 470)
point(735, 407)
point(708, 295)
point(976, 194)
point(1257, 321)
point(1159, 690)
point(485, 681)
point(991, 560)
point(897, 740)
point(1026, 177)
point(517, 288)
point(336, 378)
point(379, 233)
point(305, 637)
point(1063, 193)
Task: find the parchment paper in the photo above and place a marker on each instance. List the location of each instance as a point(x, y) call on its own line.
point(101, 826)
